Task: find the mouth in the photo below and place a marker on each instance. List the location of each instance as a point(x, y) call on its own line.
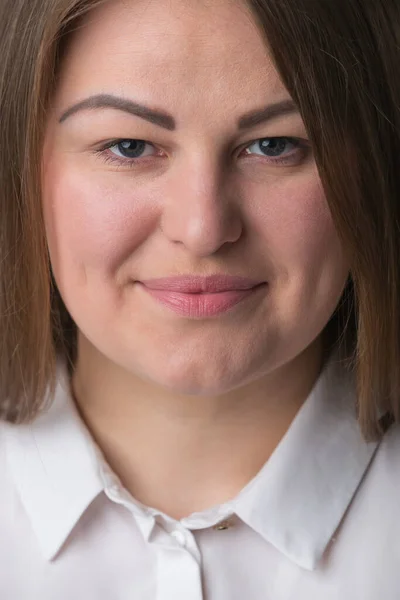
point(204, 304)
point(193, 284)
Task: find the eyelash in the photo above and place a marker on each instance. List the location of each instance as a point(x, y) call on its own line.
point(300, 145)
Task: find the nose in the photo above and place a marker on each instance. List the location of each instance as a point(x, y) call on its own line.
point(201, 210)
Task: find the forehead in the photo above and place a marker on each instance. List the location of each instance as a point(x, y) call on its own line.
point(176, 49)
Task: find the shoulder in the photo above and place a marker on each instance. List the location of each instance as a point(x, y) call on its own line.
point(5, 431)
point(10, 495)
point(10, 501)
point(377, 501)
point(386, 463)
point(7, 485)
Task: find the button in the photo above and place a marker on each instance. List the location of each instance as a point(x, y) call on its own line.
point(222, 525)
point(179, 536)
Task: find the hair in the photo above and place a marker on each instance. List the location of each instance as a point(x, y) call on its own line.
point(339, 60)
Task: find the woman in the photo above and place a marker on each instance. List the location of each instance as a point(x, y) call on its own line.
point(200, 299)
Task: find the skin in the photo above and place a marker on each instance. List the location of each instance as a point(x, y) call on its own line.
point(185, 410)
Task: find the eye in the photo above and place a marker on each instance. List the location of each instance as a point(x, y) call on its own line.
point(126, 152)
point(278, 149)
point(131, 148)
point(275, 150)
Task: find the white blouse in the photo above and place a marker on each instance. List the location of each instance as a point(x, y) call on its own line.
point(320, 521)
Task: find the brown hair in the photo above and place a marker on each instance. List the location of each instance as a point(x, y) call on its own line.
point(339, 60)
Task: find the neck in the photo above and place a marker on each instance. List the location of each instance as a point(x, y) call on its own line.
point(183, 454)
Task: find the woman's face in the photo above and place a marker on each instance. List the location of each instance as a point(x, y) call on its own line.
point(201, 196)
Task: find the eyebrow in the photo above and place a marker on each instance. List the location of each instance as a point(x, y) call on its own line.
point(167, 121)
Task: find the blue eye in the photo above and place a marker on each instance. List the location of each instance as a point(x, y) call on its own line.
point(131, 148)
point(275, 150)
point(271, 146)
point(126, 152)
point(279, 150)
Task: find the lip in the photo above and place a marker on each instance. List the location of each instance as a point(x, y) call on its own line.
point(219, 296)
point(193, 284)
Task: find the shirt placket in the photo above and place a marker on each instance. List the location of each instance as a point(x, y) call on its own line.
point(178, 563)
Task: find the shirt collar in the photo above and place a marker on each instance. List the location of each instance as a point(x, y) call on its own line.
point(299, 497)
point(54, 465)
point(295, 502)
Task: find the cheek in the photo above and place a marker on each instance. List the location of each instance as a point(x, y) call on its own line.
point(295, 223)
point(92, 222)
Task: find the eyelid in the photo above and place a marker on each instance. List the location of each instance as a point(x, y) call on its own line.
point(116, 141)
